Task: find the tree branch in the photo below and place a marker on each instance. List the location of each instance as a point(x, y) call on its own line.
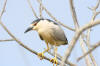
point(59, 58)
point(40, 10)
point(21, 44)
point(18, 41)
point(7, 40)
point(39, 1)
point(3, 9)
point(77, 27)
point(89, 30)
point(92, 49)
point(73, 14)
point(76, 37)
point(95, 7)
point(32, 8)
point(87, 61)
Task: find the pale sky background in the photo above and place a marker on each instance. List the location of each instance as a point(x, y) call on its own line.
point(17, 18)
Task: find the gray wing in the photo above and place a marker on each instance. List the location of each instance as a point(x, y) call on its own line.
point(58, 34)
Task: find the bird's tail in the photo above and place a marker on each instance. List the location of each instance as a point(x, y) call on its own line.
point(66, 42)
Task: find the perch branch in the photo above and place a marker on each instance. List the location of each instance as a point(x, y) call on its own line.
point(18, 41)
point(59, 57)
point(21, 44)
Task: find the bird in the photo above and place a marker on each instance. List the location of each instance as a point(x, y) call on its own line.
point(50, 32)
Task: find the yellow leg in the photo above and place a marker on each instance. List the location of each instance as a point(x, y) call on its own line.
point(41, 55)
point(54, 60)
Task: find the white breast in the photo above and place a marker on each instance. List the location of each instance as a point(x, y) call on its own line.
point(44, 29)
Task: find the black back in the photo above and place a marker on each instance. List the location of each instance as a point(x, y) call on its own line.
point(37, 20)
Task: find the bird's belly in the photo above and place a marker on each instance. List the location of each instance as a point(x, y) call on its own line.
point(47, 36)
point(51, 40)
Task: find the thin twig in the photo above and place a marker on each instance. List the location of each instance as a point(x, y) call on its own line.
point(97, 5)
point(74, 14)
point(92, 49)
point(39, 1)
point(3, 9)
point(89, 25)
point(40, 10)
point(7, 40)
point(32, 8)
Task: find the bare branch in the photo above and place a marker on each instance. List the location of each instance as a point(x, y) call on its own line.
point(14, 38)
point(95, 13)
point(76, 28)
point(88, 45)
point(39, 1)
point(59, 58)
point(32, 8)
point(97, 5)
point(3, 9)
point(94, 47)
point(89, 25)
point(78, 31)
point(40, 9)
point(7, 40)
point(21, 44)
point(87, 61)
point(73, 14)
point(89, 30)
point(75, 38)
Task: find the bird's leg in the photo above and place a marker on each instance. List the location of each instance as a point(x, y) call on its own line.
point(54, 60)
point(41, 55)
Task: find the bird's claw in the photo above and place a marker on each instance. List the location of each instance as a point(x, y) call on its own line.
point(41, 55)
point(54, 61)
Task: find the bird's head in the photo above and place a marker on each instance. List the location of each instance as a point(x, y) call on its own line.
point(33, 25)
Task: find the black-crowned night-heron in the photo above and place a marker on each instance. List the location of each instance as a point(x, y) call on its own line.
point(51, 33)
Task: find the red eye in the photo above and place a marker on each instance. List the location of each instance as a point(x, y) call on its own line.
point(35, 23)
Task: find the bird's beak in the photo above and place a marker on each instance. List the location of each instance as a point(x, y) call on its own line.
point(29, 29)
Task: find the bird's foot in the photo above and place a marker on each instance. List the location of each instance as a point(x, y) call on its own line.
point(41, 55)
point(54, 61)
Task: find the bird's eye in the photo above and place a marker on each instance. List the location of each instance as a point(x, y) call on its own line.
point(35, 23)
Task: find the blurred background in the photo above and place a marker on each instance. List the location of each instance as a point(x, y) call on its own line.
point(18, 16)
